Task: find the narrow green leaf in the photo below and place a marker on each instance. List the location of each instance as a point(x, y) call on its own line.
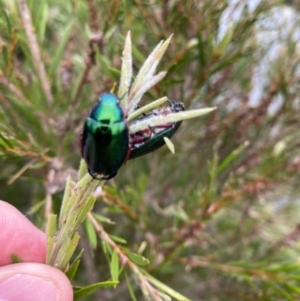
point(91, 232)
point(172, 117)
point(50, 245)
point(118, 239)
point(164, 297)
point(42, 17)
point(106, 249)
point(82, 169)
point(51, 225)
point(166, 289)
point(83, 292)
point(7, 18)
point(130, 289)
point(78, 256)
point(87, 206)
point(35, 208)
point(114, 266)
point(147, 108)
point(138, 259)
point(201, 49)
point(84, 181)
point(126, 71)
point(103, 219)
point(145, 78)
point(113, 72)
point(231, 157)
point(223, 44)
point(73, 269)
point(66, 203)
point(170, 145)
point(60, 50)
point(280, 291)
point(67, 250)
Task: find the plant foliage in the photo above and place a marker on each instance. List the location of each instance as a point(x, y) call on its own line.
point(218, 220)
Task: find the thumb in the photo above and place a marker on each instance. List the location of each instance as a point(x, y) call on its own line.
point(34, 282)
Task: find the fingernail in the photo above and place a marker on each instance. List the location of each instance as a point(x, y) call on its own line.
point(27, 288)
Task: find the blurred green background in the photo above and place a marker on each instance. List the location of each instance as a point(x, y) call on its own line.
point(219, 219)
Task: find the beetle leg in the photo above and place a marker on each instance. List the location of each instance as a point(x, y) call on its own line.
point(138, 139)
point(163, 126)
point(100, 177)
point(108, 177)
point(127, 154)
point(94, 175)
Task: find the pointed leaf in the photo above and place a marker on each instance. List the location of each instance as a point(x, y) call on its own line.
point(126, 71)
point(103, 219)
point(114, 266)
point(223, 44)
point(170, 145)
point(83, 292)
point(143, 88)
point(147, 108)
point(118, 239)
point(130, 288)
point(138, 259)
point(91, 232)
point(164, 288)
point(170, 118)
point(145, 78)
point(60, 51)
point(231, 157)
point(72, 270)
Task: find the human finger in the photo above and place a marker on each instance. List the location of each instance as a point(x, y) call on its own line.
point(34, 282)
point(19, 236)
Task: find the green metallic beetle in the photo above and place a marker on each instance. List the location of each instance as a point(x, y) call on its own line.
point(105, 139)
point(106, 143)
point(151, 139)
